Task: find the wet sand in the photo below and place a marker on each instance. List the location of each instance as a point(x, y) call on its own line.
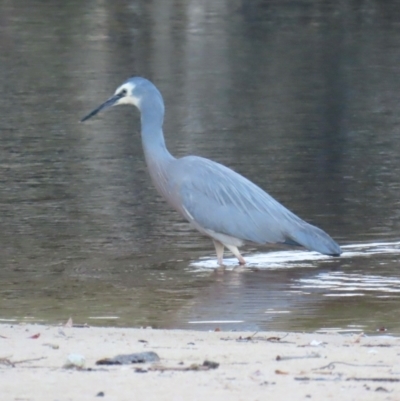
point(251, 366)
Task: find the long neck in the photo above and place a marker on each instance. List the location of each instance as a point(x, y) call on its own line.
point(155, 150)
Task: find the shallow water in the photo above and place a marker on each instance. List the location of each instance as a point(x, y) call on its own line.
point(301, 98)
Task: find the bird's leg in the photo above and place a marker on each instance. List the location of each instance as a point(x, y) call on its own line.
point(220, 252)
point(236, 252)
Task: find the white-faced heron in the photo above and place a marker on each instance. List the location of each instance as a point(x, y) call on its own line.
point(215, 200)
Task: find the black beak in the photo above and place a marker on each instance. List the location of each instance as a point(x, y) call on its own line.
point(107, 104)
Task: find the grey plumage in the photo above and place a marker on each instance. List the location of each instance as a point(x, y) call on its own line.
point(217, 201)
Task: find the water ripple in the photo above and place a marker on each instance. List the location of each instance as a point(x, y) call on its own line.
point(349, 284)
point(301, 258)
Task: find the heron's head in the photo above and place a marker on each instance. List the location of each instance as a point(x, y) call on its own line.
point(135, 91)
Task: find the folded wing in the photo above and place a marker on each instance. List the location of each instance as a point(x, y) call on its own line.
point(225, 202)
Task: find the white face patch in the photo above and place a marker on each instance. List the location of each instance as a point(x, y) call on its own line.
point(128, 98)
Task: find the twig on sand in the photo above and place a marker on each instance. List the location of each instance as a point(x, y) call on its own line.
point(207, 365)
point(253, 337)
point(333, 364)
point(8, 362)
point(287, 358)
point(375, 379)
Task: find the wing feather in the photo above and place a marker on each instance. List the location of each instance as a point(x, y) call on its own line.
point(225, 202)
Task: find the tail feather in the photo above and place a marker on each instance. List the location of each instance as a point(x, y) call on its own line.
point(314, 239)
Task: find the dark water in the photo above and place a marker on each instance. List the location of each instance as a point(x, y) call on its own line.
point(301, 97)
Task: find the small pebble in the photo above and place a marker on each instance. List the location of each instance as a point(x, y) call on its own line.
point(53, 346)
point(74, 361)
point(315, 343)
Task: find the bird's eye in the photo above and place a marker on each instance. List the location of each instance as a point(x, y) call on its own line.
point(123, 92)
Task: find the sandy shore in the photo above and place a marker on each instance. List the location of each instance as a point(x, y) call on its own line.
point(263, 366)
